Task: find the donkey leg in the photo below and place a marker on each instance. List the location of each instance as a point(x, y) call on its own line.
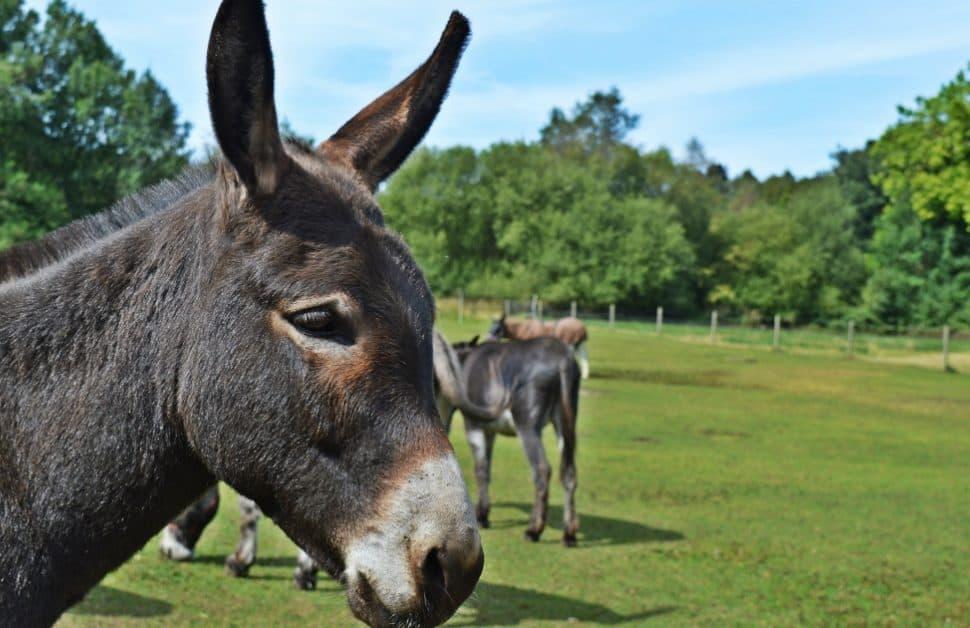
point(239, 562)
point(305, 575)
point(541, 472)
point(567, 473)
point(481, 443)
point(180, 536)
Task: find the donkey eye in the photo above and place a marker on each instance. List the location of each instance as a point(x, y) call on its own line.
point(321, 323)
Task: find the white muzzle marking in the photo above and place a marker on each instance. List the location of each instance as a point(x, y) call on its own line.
point(429, 510)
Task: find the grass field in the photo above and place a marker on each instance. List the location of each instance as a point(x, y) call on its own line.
point(717, 486)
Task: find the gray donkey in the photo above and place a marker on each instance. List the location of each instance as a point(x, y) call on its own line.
point(253, 322)
point(527, 384)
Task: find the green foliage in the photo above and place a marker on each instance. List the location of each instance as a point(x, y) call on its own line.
point(854, 169)
point(920, 272)
point(583, 215)
point(925, 157)
point(519, 218)
point(799, 259)
point(27, 208)
point(79, 129)
point(597, 125)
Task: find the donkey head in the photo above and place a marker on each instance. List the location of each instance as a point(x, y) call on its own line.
point(498, 330)
point(310, 380)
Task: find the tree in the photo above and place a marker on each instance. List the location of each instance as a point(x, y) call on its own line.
point(597, 125)
point(925, 157)
point(919, 256)
point(797, 259)
point(854, 170)
point(696, 158)
point(920, 272)
point(79, 130)
point(518, 219)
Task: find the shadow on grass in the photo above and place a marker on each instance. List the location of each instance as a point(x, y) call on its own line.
point(112, 602)
point(256, 573)
point(265, 561)
point(508, 605)
point(593, 530)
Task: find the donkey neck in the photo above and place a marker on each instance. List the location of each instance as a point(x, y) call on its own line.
point(93, 453)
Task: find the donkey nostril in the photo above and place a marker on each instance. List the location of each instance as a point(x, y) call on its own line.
point(433, 573)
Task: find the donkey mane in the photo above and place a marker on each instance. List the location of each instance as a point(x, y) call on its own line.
point(27, 258)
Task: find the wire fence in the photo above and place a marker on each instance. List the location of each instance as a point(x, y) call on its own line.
point(945, 347)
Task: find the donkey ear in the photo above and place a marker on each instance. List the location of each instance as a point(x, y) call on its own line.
point(379, 138)
point(473, 342)
point(239, 72)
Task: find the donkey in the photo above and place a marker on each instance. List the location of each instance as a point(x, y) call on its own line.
point(531, 382)
point(570, 330)
point(181, 535)
point(252, 322)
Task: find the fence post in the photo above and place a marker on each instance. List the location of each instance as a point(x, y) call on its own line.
point(946, 347)
point(777, 336)
point(851, 338)
point(461, 306)
point(572, 309)
point(532, 309)
point(539, 305)
point(508, 307)
point(714, 327)
point(612, 314)
point(660, 319)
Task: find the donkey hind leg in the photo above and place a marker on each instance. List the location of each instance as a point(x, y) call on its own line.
point(565, 423)
point(541, 472)
point(305, 575)
point(582, 356)
point(481, 442)
point(180, 536)
point(239, 562)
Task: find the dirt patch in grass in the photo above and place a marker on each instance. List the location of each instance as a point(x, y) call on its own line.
point(709, 379)
point(712, 433)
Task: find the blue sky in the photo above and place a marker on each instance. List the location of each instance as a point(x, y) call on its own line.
point(764, 85)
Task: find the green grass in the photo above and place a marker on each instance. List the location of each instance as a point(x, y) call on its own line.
point(717, 486)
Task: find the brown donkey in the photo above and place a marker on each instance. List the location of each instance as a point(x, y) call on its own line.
point(253, 322)
point(569, 330)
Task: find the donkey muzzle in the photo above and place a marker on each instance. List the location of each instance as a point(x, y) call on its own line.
point(422, 556)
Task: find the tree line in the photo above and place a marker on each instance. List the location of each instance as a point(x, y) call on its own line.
point(580, 213)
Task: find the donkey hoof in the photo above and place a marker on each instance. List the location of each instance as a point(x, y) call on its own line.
point(569, 540)
point(532, 535)
point(172, 546)
point(304, 581)
point(236, 568)
point(483, 522)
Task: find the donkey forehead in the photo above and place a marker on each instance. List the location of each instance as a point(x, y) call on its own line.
point(329, 236)
point(318, 179)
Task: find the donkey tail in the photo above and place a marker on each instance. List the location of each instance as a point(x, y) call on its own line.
point(569, 376)
point(449, 371)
